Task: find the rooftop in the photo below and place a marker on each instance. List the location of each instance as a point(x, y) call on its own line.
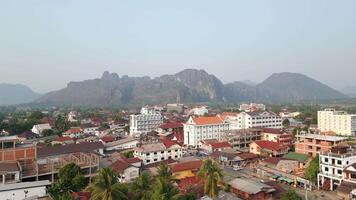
point(23, 185)
point(152, 147)
point(207, 120)
point(275, 146)
point(321, 137)
point(296, 156)
point(69, 148)
point(250, 186)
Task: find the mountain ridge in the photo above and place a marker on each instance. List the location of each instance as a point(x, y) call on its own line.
point(191, 85)
point(12, 94)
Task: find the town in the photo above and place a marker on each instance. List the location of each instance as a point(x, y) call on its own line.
point(250, 151)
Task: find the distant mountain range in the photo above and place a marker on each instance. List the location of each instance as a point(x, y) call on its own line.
point(349, 91)
point(192, 86)
point(11, 94)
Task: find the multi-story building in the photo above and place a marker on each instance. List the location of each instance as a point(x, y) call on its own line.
point(258, 119)
point(339, 122)
point(277, 135)
point(199, 111)
point(332, 165)
point(148, 120)
point(268, 148)
point(313, 144)
point(241, 139)
point(252, 107)
point(197, 129)
point(27, 162)
point(152, 153)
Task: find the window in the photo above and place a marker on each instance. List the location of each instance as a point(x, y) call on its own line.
point(326, 169)
point(326, 160)
point(353, 176)
point(339, 172)
point(148, 161)
point(339, 162)
point(155, 159)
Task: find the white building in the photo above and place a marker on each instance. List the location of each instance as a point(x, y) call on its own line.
point(25, 190)
point(259, 119)
point(197, 129)
point(148, 120)
point(72, 116)
point(126, 143)
point(333, 163)
point(151, 153)
point(39, 128)
point(199, 111)
point(339, 122)
point(252, 107)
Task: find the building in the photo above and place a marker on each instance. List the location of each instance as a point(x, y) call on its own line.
point(277, 135)
point(128, 169)
point(209, 146)
point(39, 128)
point(72, 116)
point(152, 153)
point(175, 107)
point(232, 119)
point(73, 132)
point(340, 122)
point(199, 111)
point(268, 148)
point(185, 169)
point(241, 139)
point(332, 165)
point(25, 190)
point(258, 119)
point(313, 144)
point(126, 143)
point(89, 128)
point(148, 120)
point(197, 129)
point(252, 107)
point(249, 189)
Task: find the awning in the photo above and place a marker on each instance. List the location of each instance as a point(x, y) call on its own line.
point(275, 176)
point(288, 180)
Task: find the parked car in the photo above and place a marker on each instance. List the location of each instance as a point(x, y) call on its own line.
point(236, 167)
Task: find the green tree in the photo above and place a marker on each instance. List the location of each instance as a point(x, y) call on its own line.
point(128, 154)
point(70, 180)
point(212, 174)
point(290, 195)
point(61, 124)
point(311, 172)
point(164, 188)
point(141, 188)
point(106, 186)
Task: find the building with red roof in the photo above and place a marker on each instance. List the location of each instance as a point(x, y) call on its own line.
point(107, 138)
point(73, 132)
point(197, 129)
point(127, 169)
point(268, 148)
point(214, 145)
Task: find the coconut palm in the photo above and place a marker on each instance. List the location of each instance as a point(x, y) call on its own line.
point(212, 174)
point(106, 186)
point(164, 188)
point(142, 187)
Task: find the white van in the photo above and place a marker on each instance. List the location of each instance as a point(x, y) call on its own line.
point(236, 167)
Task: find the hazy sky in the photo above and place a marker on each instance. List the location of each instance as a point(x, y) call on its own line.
point(46, 44)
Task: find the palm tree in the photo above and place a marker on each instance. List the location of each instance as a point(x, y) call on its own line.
point(212, 174)
point(164, 188)
point(106, 186)
point(142, 187)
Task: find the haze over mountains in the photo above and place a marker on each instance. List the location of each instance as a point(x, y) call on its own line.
point(11, 94)
point(192, 86)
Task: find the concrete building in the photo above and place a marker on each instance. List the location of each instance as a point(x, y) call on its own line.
point(277, 135)
point(340, 122)
point(249, 189)
point(252, 107)
point(39, 128)
point(199, 111)
point(25, 190)
point(313, 144)
point(332, 165)
point(241, 139)
point(258, 119)
point(126, 143)
point(268, 148)
point(197, 129)
point(148, 120)
point(152, 153)
point(175, 107)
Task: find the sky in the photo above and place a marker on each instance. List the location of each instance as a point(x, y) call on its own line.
point(46, 44)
